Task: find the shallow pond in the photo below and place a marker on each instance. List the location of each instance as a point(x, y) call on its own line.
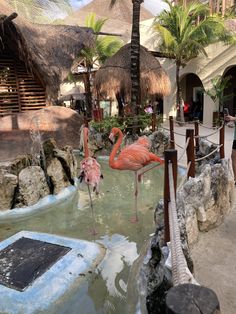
point(106, 291)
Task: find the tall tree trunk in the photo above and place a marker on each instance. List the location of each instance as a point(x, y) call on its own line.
point(135, 65)
point(134, 58)
point(211, 6)
point(88, 94)
point(179, 101)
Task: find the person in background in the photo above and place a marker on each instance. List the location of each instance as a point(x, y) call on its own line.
point(229, 118)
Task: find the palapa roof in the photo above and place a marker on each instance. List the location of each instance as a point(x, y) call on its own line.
point(48, 50)
point(119, 17)
point(114, 75)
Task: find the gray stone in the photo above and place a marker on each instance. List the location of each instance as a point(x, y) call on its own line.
point(159, 141)
point(32, 186)
point(57, 175)
point(15, 166)
point(8, 184)
point(68, 161)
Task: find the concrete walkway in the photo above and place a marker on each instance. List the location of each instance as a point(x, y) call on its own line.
point(214, 255)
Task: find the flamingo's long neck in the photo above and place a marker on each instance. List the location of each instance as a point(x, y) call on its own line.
point(86, 150)
point(115, 149)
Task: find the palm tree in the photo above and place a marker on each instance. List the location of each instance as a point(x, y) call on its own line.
point(185, 31)
point(103, 48)
point(217, 91)
point(134, 56)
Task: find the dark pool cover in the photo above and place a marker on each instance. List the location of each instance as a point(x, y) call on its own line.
point(26, 259)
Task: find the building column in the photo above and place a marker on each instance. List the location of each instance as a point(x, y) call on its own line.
point(208, 108)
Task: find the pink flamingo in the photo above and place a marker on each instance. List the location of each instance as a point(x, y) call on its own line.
point(132, 157)
point(90, 171)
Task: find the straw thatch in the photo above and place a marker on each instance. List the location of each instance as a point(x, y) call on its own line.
point(47, 50)
point(114, 76)
point(119, 17)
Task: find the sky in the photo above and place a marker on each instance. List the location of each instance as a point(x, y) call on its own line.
point(155, 6)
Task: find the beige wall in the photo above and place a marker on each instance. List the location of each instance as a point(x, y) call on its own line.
point(219, 58)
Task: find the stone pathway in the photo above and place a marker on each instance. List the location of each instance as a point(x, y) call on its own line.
point(214, 259)
point(214, 255)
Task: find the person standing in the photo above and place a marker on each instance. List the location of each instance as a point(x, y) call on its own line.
point(229, 118)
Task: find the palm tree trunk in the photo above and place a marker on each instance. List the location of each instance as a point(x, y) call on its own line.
point(134, 58)
point(178, 93)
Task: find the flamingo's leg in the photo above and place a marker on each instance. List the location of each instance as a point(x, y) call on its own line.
point(91, 205)
point(135, 218)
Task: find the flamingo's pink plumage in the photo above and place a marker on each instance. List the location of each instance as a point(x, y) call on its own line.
point(132, 157)
point(90, 170)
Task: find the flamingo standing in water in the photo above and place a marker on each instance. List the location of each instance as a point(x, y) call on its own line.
point(132, 157)
point(90, 171)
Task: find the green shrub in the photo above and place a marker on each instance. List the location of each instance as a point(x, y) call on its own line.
point(142, 121)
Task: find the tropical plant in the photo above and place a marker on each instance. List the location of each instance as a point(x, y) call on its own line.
point(103, 48)
point(217, 91)
point(105, 126)
point(134, 56)
point(185, 31)
point(41, 11)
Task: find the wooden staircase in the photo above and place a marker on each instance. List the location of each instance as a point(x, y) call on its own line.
point(19, 90)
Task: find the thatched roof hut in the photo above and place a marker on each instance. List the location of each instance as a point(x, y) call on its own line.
point(114, 75)
point(119, 18)
point(46, 51)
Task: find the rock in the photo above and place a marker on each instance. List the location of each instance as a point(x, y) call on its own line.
point(68, 162)
point(159, 279)
point(61, 166)
point(32, 186)
point(57, 176)
point(15, 166)
point(206, 199)
point(159, 141)
point(8, 184)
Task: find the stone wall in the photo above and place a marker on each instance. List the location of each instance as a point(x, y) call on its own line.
point(25, 180)
point(202, 204)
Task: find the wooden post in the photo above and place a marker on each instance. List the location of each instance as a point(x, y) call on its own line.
point(170, 156)
point(190, 152)
point(172, 136)
point(189, 298)
point(154, 121)
point(196, 133)
point(222, 141)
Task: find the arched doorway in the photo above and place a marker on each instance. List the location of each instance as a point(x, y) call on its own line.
point(230, 91)
point(192, 93)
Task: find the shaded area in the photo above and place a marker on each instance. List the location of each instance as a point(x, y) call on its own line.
point(27, 259)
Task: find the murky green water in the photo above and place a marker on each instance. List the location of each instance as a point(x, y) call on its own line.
point(107, 290)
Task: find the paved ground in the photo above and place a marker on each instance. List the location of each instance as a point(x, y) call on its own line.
point(215, 253)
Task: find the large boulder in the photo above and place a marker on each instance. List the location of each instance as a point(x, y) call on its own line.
point(8, 184)
point(62, 124)
point(206, 199)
